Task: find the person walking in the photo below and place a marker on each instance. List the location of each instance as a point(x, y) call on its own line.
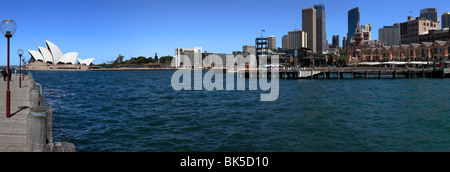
point(4, 74)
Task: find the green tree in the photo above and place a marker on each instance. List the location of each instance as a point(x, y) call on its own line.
point(151, 60)
point(342, 60)
point(119, 60)
point(132, 61)
point(166, 59)
point(141, 60)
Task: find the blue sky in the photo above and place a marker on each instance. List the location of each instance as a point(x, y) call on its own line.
point(103, 29)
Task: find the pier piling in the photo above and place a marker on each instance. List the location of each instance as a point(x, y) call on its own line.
point(37, 128)
point(34, 98)
point(60, 147)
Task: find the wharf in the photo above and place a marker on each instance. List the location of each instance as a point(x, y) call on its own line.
point(13, 131)
point(338, 73)
point(29, 128)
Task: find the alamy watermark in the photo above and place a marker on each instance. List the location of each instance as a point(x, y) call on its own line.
point(239, 64)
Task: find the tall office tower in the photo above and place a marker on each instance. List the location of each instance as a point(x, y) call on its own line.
point(309, 26)
point(445, 20)
point(353, 20)
point(344, 43)
point(321, 28)
point(430, 14)
point(297, 39)
point(284, 42)
point(390, 35)
point(272, 42)
point(335, 41)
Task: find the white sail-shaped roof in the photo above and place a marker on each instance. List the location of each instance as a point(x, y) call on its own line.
point(52, 54)
point(69, 58)
point(46, 54)
point(36, 55)
point(86, 62)
point(55, 51)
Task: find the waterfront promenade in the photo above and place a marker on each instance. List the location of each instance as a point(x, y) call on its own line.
point(13, 131)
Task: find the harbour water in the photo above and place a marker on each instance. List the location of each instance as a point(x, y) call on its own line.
point(125, 111)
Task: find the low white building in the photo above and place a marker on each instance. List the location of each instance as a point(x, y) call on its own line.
point(192, 54)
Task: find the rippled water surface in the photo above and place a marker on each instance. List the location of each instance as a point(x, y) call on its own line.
point(139, 111)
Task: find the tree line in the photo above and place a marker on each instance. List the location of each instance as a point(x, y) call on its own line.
point(138, 61)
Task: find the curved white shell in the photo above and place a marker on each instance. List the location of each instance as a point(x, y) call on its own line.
point(86, 62)
point(46, 54)
point(69, 58)
point(36, 55)
point(54, 50)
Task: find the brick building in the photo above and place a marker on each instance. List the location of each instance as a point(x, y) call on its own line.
point(410, 30)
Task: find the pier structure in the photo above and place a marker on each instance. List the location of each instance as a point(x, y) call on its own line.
point(29, 128)
point(353, 73)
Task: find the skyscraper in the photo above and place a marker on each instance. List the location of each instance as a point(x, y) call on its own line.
point(272, 42)
point(430, 14)
point(353, 21)
point(309, 26)
point(285, 42)
point(344, 43)
point(321, 42)
point(335, 41)
point(445, 20)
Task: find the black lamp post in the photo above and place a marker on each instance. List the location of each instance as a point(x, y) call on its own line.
point(8, 28)
point(25, 71)
point(20, 53)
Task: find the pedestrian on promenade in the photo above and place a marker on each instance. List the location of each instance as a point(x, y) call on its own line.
point(4, 74)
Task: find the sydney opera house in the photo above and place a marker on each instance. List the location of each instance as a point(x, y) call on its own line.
point(51, 58)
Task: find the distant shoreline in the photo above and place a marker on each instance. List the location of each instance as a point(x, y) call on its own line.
point(118, 69)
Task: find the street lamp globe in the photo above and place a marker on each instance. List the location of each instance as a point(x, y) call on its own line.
point(8, 27)
point(20, 52)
